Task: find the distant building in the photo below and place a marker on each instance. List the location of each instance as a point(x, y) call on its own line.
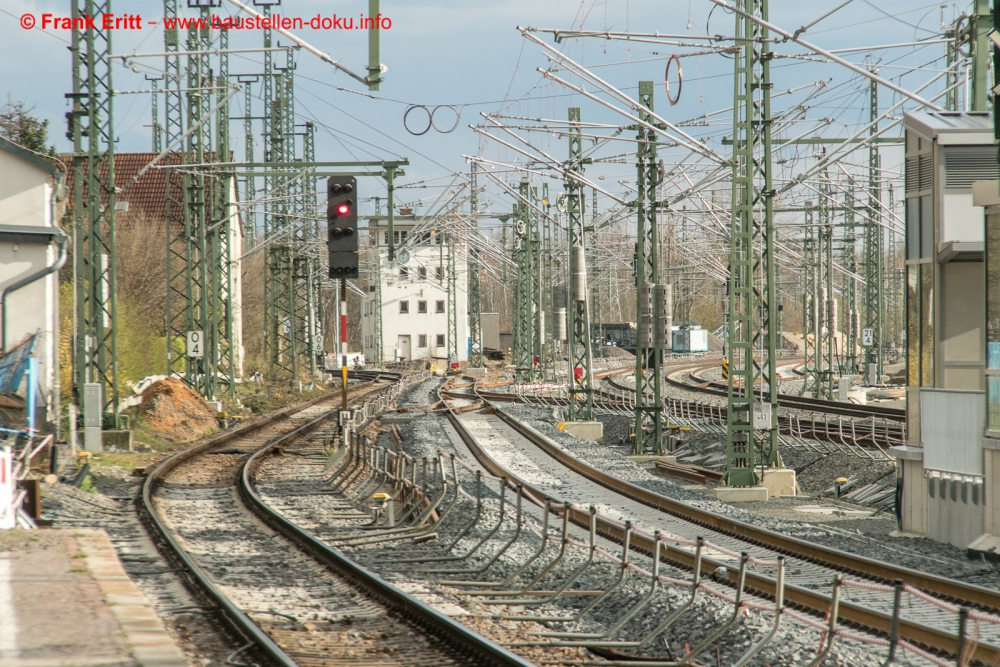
point(32, 248)
point(415, 297)
point(144, 200)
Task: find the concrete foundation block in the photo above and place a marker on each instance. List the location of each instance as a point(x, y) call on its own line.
point(475, 371)
point(986, 546)
point(121, 439)
point(639, 458)
point(740, 494)
point(593, 431)
point(779, 482)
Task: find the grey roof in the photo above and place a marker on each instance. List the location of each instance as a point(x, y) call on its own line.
point(29, 157)
point(934, 123)
point(28, 234)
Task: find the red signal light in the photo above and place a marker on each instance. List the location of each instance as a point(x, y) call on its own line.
point(343, 209)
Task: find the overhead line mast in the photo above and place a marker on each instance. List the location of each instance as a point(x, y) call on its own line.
point(752, 391)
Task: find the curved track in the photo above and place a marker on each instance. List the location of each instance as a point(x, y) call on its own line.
point(298, 600)
point(811, 566)
point(700, 385)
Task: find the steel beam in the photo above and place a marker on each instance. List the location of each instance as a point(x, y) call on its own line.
point(752, 395)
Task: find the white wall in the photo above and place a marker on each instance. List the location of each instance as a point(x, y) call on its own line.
point(25, 198)
point(414, 290)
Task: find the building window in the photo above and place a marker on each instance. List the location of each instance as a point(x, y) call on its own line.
point(440, 273)
point(439, 307)
point(440, 340)
point(422, 273)
point(404, 272)
point(399, 238)
point(422, 340)
point(421, 306)
point(404, 307)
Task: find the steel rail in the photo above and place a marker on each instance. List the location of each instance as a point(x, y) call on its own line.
point(436, 623)
point(464, 640)
point(787, 401)
point(236, 618)
point(813, 601)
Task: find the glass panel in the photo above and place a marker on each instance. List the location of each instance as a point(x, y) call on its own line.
point(993, 403)
point(912, 228)
point(926, 325)
point(926, 227)
point(993, 290)
point(912, 326)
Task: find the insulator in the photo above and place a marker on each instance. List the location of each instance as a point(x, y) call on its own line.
point(663, 306)
point(578, 281)
point(647, 327)
point(831, 309)
point(821, 308)
point(855, 323)
point(559, 297)
point(559, 312)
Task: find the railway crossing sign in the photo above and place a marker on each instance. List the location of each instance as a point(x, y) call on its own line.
point(195, 344)
point(867, 337)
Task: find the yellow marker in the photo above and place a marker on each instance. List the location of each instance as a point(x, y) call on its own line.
point(381, 496)
point(841, 480)
point(561, 426)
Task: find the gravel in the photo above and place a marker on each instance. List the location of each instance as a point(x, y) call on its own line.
point(425, 435)
point(868, 537)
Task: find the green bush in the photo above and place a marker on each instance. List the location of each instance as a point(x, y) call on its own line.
point(256, 403)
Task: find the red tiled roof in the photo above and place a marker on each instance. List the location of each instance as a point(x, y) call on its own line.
point(148, 194)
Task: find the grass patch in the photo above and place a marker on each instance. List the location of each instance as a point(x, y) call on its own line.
point(88, 484)
point(79, 554)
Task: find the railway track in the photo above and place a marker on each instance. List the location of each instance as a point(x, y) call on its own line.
point(700, 385)
point(931, 615)
point(848, 425)
point(294, 599)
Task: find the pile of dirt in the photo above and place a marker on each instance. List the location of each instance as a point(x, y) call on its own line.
point(172, 408)
point(611, 351)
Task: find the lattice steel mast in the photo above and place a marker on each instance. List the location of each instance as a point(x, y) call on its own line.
point(874, 249)
point(648, 403)
point(523, 343)
point(752, 393)
point(475, 289)
point(581, 388)
point(452, 277)
point(92, 132)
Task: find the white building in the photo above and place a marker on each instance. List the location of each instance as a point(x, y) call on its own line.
point(32, 248)
point(415, 298)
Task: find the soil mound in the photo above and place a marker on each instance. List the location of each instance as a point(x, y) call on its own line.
point(172, 408)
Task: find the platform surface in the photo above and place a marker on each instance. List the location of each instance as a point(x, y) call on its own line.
point(65, 601)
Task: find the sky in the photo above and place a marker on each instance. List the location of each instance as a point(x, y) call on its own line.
point(469, 55)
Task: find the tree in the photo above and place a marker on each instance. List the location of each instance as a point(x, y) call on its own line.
point(19, 124)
